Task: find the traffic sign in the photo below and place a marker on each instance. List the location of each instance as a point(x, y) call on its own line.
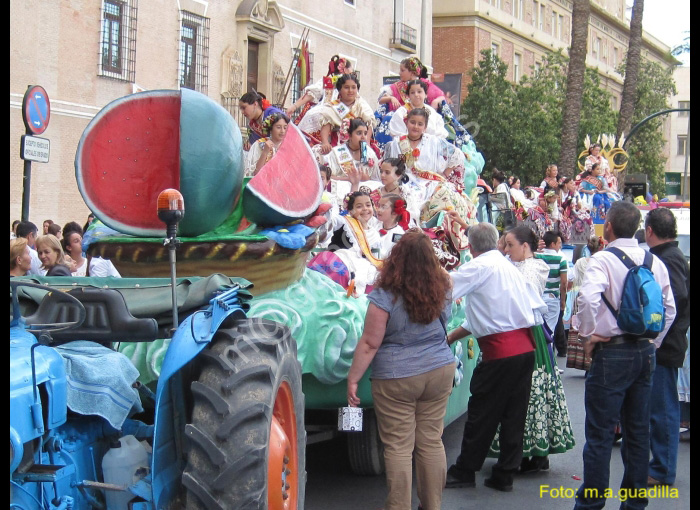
point(36, 109)
point(33, 148)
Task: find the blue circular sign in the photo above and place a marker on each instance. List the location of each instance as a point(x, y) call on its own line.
point(36, 109)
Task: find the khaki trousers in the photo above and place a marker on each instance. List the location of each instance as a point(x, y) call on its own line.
point(410, 413)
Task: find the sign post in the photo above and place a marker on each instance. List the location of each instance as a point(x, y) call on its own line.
point(36, 112)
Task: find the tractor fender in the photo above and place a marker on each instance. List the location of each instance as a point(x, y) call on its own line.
point(191, 337)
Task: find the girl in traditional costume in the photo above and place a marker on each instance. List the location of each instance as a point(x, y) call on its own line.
point(354, 163)
point(255, 108)
point(392, 212)
point(355, 152)
point(336, 115)
point(394, 181)
point(594, 157)
point(357, 244)
point(430, 160)
point(435, 171)
point(595, 193)
point(393, 96)
point(274, 127)
point(550, 178)
point(396, 94)
point(417, 93)
point(316, 94)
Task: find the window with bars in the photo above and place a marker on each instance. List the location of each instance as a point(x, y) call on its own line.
point(118, 40)
point(682, 140)
point(683, 104)
point(194, 52)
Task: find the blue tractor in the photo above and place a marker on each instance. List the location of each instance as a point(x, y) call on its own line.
point(223, 429)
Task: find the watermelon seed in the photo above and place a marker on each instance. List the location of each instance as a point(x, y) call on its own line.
point(127, 138)
point(149, 118)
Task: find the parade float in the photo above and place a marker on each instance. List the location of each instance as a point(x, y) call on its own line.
point(250, 329)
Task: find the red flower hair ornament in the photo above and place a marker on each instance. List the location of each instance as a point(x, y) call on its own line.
point(402, 213)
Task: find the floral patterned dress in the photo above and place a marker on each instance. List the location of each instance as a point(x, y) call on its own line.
point(547, 425)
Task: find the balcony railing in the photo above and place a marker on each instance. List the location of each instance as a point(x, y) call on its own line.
point(403, 37)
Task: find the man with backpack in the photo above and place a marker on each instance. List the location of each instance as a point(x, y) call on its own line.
point(625, 308)
point(660, 230)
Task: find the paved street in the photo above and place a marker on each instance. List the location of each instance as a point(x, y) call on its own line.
point(331, 485)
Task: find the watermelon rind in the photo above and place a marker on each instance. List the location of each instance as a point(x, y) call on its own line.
point(211, 163)
point(262, 210)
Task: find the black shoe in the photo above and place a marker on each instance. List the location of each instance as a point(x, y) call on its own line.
point(542, 463)
point(460, 478)
point(534, 465)
point(498, 485)
point(526, 466)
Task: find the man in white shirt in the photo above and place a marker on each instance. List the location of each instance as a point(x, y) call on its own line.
point(618, 385)
point(28, 230)
point(500, 310)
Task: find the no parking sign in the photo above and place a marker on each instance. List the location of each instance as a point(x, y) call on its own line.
point(36, 110)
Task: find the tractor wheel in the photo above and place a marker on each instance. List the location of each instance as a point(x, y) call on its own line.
point(365, 449)
point(246, 442)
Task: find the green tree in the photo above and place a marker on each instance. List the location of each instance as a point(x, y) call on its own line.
point(655, 86)
point(490, 107)
point(520, 125)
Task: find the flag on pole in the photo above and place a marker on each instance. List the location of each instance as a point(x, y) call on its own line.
point(304, 65)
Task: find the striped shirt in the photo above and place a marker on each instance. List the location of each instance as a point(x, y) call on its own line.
point(557, 265)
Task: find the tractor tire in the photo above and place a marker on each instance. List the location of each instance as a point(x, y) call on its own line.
point(246, 441)
point(365, 448)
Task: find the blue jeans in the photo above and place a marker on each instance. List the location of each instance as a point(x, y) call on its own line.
point(664, 419)
point(618, 387)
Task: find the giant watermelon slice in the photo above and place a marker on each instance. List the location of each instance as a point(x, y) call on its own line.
point(141, 144)
point(288, 187)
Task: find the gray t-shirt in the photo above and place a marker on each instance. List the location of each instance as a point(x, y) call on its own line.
point(408, 348)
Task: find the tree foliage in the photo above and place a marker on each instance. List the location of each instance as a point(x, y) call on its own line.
point(655, 86)
point(520, 124)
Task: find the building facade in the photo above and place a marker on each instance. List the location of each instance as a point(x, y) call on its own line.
point(86, 53)
point(677, 135)
point(521, 32)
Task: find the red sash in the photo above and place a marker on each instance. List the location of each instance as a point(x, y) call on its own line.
point(505, 345)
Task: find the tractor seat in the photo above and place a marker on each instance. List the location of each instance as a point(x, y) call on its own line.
point(107, 318)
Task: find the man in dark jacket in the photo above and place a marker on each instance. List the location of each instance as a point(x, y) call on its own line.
point(660, 230)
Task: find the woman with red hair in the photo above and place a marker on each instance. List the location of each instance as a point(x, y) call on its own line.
point(404, 340)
